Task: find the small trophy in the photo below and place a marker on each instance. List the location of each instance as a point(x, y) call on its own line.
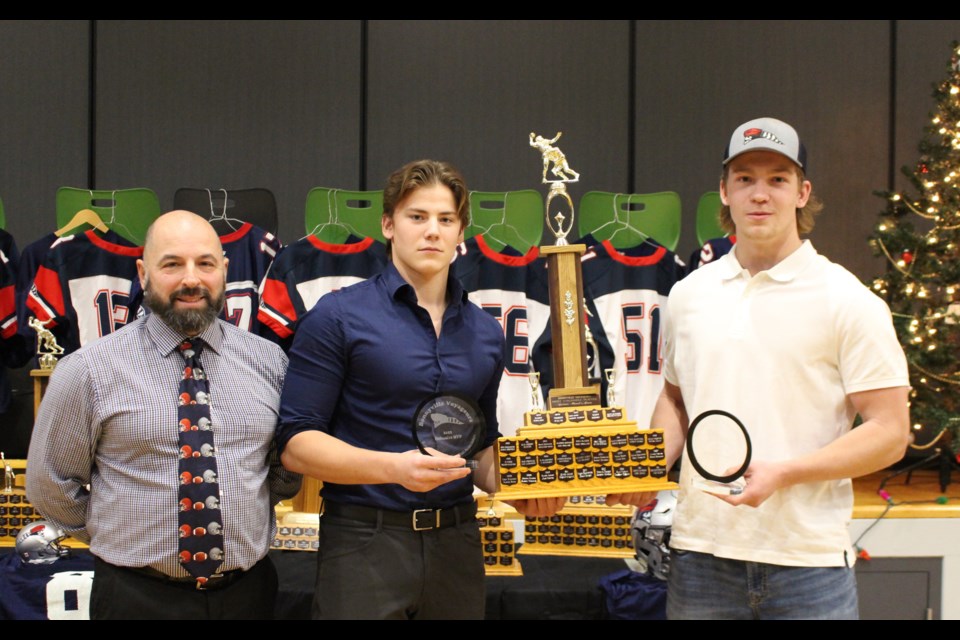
point(536, 393)
point(9, 479)
point(611, 376)
point(558, 188)
point(47, 347)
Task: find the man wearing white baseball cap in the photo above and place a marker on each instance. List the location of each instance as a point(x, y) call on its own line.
point(795, 347)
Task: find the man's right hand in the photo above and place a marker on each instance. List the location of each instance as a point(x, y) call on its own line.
point(418, 472)
point(639, 500)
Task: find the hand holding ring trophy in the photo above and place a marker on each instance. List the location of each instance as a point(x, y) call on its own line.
point(575, 446)
point(723, 454)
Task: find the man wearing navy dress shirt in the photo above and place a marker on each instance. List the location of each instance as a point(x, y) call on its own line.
point(398, 534)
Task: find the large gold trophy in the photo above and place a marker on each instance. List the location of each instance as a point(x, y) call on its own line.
point(575, 446)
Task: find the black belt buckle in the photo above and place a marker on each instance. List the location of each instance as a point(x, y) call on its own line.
point(426, 519)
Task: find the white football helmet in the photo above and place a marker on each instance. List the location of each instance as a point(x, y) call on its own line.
point(39, 543)
point(651, 534)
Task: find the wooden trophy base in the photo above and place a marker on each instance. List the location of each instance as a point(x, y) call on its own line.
point(497, 537)
point(582, 451)
point(40, 379)
point(296, 530)
point(584, 529)
point(299, 518)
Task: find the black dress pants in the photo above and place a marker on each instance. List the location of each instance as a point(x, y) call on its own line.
point(120, 593)
point(379, 572)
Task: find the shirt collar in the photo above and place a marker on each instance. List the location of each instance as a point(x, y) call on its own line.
point(784, 271)
point(397, 287)
point(166, 339)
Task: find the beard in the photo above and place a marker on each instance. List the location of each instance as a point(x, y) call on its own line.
point(186, 321)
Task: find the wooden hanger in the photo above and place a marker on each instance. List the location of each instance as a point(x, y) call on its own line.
point(84, 216)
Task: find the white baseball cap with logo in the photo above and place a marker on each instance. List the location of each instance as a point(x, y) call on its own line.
point(768, 134)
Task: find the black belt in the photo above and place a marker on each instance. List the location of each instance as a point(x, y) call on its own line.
point(214, 582)
point(417, 520)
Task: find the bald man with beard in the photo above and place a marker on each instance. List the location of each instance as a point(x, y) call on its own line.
point(103, 460)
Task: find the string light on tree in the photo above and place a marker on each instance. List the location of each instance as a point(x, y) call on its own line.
point(918, 234)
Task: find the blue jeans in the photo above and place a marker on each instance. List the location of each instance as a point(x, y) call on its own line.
point(704, 587)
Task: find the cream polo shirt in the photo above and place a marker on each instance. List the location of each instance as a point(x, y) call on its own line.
point(781, 350)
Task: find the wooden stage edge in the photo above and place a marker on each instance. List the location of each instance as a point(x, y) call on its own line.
point(916, 499)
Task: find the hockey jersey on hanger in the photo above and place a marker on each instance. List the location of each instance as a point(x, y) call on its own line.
point(512, 288)
point(29, 263)
point(626, 294)
point(9, 257)
point(250, 250)
point(31, 258)
point(84, 287)
point(307, 270)
point(15, 348)
point(711, 250)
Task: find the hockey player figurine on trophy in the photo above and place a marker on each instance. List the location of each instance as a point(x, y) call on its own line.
point(47, 347)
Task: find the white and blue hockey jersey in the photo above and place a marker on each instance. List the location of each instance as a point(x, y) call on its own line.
point(513, 289)
point(626, 294)
point(307, 270)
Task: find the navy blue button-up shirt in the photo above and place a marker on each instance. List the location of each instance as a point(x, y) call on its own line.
point(366, 356)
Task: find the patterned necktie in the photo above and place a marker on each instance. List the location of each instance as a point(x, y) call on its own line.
point(200, 522)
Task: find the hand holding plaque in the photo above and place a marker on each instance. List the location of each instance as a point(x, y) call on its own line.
point(450, 423)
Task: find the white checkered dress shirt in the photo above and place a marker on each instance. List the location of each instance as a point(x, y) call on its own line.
point(109, 419)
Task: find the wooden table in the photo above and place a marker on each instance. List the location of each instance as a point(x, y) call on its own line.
point(916, 499)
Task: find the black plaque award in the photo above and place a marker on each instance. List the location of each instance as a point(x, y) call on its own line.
point(723, 462)
point(450, 423)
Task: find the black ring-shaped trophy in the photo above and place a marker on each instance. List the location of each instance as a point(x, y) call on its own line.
point(730, 484)
point(450, 423)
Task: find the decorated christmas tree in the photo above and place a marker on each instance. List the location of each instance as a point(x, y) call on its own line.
point(919, 234)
